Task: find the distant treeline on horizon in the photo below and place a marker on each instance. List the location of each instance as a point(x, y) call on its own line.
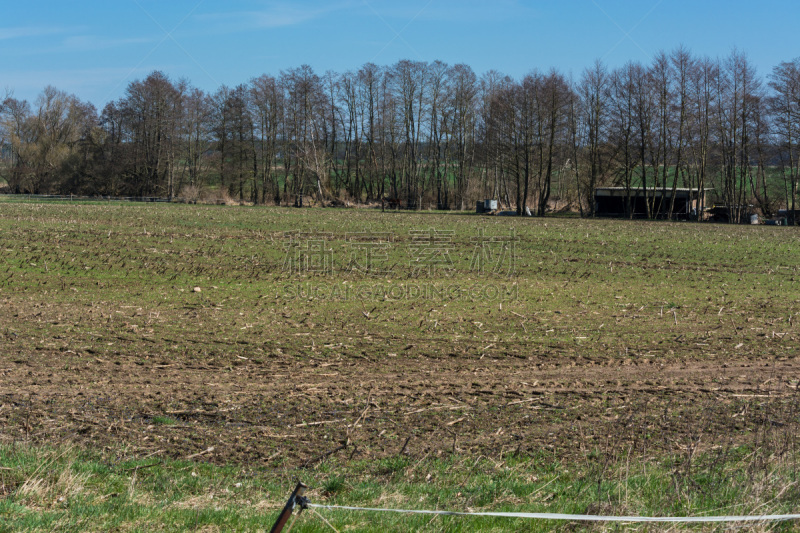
point(424, 134)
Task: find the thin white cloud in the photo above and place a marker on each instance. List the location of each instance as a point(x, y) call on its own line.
point(29, 31)
point(78, 81)
point(277, 15)
point(94, 42)
point(454, 10)
point(75, 44)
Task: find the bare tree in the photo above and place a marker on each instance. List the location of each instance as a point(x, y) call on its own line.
point(463, 130)
point(368, 83)
point(739, 90)
point(421, 133)
point(266, 100)
point(622, 131)
point(241, 142)
point(784, 105)
point(19, 136)
point(701, 123)
point(41, 142)
point(594, 92)
point(553, 100)
point(305, 100)
point(643, 104)
point(197, 113)
point(437, 133)
point(149, 111)
point(680, 68)
point(410, 85)
point(492, 114)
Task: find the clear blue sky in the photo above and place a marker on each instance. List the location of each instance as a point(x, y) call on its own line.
point(95, 48)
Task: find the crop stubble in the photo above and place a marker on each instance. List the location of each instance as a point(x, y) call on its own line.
point(650, 337)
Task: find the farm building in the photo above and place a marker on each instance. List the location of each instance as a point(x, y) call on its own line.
point(622, 202)
point(792, 216)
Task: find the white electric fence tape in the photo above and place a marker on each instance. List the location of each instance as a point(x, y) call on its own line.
point(579, 517)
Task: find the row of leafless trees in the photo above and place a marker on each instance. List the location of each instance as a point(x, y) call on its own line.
point(427, 134)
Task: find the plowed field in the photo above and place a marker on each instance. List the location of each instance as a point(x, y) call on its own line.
point(180, 330)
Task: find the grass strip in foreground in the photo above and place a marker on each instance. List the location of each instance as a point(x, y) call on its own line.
point(68, 489)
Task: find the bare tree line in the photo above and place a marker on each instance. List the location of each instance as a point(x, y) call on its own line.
point(418, 134)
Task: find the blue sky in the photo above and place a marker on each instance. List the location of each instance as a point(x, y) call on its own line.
point(95, 48)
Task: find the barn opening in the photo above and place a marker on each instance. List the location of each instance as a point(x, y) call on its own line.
point(629, 202)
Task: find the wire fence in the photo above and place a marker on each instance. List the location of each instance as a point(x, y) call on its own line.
point(571, 517)
point(297, 498)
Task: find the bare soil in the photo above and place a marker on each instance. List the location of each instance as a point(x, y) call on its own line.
point(291, 411)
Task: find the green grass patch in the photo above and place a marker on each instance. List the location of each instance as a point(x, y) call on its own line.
point(70, 490)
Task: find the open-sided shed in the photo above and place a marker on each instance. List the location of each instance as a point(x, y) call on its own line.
point(625, 202)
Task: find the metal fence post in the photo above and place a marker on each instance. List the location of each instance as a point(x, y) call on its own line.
point(298, 492)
